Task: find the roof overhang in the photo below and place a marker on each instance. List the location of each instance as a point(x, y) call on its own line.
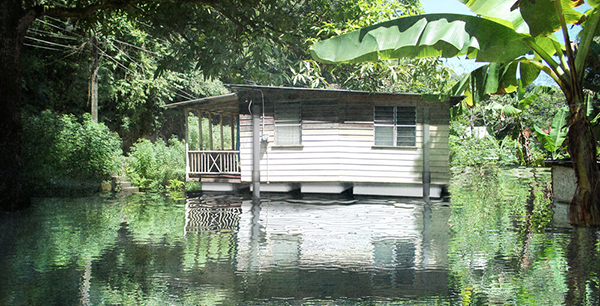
point(226, 104)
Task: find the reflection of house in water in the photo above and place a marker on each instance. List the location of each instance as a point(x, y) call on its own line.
point(364, 249)
point(215, 214)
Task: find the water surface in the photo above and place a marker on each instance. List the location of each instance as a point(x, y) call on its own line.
point(499, 240)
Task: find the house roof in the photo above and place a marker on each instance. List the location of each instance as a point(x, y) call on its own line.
point(228, 104)
point(316, 91)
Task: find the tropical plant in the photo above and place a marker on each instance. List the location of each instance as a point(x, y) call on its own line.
point(156, 166)
point(517, 111)
point(67, 156)
point(553, 141)
point(517, 39)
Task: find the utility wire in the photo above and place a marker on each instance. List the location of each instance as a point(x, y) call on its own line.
point(176, 90)
point(50, 43)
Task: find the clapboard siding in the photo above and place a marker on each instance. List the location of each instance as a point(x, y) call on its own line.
point(338, 140)
point(344, 152)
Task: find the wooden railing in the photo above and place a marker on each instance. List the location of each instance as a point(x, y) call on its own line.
point(213, 162)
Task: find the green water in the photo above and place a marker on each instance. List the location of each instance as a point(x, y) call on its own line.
point(499, 241)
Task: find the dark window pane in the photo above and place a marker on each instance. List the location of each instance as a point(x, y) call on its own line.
point(407, 116)
point(384, 114)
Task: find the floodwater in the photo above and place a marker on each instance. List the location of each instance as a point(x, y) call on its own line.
point(499, 240)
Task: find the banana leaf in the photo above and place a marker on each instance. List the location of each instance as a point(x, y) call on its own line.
point(429, 35)
point(558, 133)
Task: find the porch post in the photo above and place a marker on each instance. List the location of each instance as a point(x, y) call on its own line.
point(200, 138)
point(187, 144)
point(255, 152)
point(210, 130)
point(222, 135)
point(232, 133)
point(426, 156)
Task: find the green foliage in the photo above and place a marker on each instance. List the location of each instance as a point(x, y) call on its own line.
point(553, 141)
point(154, 166)
point(194, 133)
point(470, 151)
point(176, 189)
point(64, 154)
point(129, 94)
point(193, 186)
point(510, 119)
point(502, 249)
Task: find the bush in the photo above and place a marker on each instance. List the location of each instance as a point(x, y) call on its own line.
point(66, 156)
point(471, 151)
point(153, 166)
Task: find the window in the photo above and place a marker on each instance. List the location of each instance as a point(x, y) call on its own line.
point(288, 131)
point(395, 126)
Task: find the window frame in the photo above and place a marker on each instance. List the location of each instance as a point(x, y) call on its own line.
point(396, 125)
point(287, 122)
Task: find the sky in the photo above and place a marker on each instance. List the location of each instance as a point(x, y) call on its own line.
point(445, 6)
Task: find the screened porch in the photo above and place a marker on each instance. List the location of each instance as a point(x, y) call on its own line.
point(212, 138)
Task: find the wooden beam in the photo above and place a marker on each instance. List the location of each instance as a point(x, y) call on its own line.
point(187, 146)
point(232, 133)
point(221, 126)
point(200, 136)
point(210, 131)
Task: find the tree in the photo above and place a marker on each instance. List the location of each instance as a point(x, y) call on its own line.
point(517, 38)
point(17, 16)
point(234, 39)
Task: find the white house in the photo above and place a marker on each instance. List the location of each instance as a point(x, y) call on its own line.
point(322, 141)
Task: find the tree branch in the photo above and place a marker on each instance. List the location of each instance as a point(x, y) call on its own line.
point(72, 12)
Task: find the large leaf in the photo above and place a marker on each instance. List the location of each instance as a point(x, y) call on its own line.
point(558, 133)
point(445, 35)
point(542, 16)
point(499, 10)
point(538, 18)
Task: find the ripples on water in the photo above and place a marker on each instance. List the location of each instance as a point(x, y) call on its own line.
point(500, 240)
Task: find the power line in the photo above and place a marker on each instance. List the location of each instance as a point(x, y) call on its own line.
point(174, 88)
point(42, 47)
point(50, 43)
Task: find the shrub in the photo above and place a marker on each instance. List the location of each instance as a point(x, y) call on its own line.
point(471, 151)
point(67, 156)
point(153, 166)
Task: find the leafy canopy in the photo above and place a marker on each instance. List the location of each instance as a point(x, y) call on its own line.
point(517, 37)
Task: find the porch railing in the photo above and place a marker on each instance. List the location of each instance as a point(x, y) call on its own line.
point(214, 162)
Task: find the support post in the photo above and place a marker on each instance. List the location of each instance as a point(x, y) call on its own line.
point(200, 137)
point(210, 131)
point(232, 133)
point(426, 156)
point(222, 134)
point(187, 144)
point(255, 152)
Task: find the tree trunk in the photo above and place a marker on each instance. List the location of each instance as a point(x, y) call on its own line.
point(12, 195)
point(94, 80)
point(585, 206)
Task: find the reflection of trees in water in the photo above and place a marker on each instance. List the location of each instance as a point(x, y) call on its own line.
point(505, 246)
point(500, 245)
point(584, 267)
